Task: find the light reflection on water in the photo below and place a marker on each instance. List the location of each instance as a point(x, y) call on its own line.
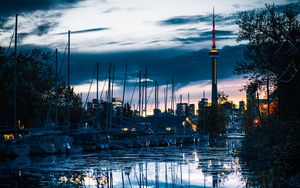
point(215, 165)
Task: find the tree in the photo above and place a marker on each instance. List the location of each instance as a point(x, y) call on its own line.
point(32, 85)
point(35, 89)
point(222, 97)
point(215, 119)
point(273, 53)
point(76, 106)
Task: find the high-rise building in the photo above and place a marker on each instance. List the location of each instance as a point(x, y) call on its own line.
point(181, 109)
point(241, 106)
point(191, 109)
point(203, 103)
point(252, 103)
point(185, 109)
point(214, 54)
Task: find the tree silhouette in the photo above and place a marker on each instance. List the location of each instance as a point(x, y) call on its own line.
point(35, 89)
point(273, 53)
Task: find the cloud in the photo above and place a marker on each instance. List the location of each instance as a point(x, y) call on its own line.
point(206, 36)
point(22, 36)
point(116, 9)
point(187, 66)
point(182, 20)
point(218, 33)
point(155, 41)
point(188, 29)
point(236, 6)
point(193, 40)
point(85, 31)
point(24, 6)
point(179, 20)
point(34, 11)
point(126, 43)
point(112, 9)
point(221, 19)
point(37, 23)
point(44, 28)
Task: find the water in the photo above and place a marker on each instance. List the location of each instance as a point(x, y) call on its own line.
point(213, 165)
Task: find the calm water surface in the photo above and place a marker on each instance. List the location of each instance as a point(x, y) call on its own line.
point(206, 165)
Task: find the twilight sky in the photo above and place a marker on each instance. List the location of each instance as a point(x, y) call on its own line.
point(169, 36)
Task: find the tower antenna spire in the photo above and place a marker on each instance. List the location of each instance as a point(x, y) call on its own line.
point(214, 31)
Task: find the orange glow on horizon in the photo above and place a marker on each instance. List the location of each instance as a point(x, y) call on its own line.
point(230, 86)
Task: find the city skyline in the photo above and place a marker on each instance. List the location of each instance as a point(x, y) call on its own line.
point(169, 37)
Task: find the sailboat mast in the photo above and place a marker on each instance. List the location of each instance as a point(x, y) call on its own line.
point(146, 77)
point(15, 75)
point(155, 94)
point(97, 97)
point(124, 86)
point(108, 102)
point(142, 97)
point(112, 96)
point(68, 82)
point(140, 92)
point(123, 96)
point(166, 102)
point(172, 95)
point(56, 89)
point(112, 82)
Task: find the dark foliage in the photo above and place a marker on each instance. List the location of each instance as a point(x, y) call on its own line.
point(214, 120)
point(271, 147)
point(35, 90)
point(271, 153)
point(273, 52)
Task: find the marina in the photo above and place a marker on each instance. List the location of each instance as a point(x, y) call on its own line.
point(195, 165)
point(142, 94)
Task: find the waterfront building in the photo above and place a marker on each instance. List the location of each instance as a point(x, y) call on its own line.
point(242, 106)
point(191, 110)
point(182, 109)
point(202, 104)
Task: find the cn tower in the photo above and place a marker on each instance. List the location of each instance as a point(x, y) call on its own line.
point(214, 54)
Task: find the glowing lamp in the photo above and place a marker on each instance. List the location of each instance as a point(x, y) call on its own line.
point(256, 121)
point(8, 136)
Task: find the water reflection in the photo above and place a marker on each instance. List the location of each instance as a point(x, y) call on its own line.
point(215, 165)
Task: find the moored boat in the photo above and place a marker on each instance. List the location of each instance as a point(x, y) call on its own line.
point(14, 143)
point(20, 149)
point(40, 146)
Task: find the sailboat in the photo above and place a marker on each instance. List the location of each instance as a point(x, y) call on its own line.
point(13, 141)
point(61, 140)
